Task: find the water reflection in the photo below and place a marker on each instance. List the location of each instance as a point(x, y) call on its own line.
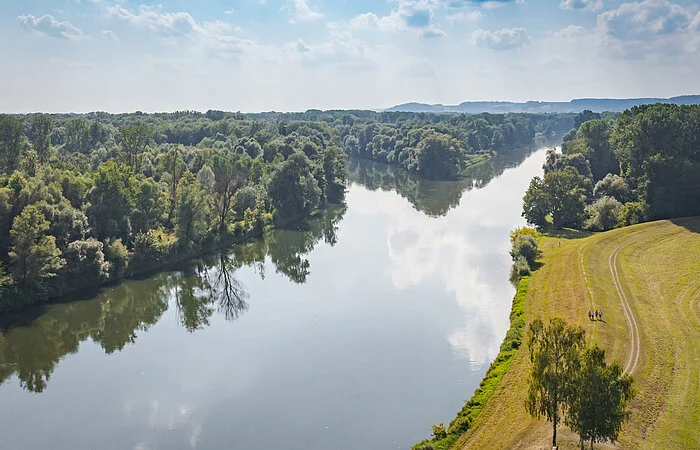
point(433, 198)
point(32, 343)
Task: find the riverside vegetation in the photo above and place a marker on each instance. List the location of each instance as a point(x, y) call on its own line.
point(612, 172)
point(90, 199)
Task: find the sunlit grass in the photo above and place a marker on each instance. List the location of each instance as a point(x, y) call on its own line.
point(659, 267)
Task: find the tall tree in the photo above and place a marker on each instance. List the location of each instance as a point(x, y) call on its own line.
point(597, 411)
point(230, 174)
point(335, 171)
point(555, 351)
point(41, 127)
point(11, 131)
point(193, 211)
point(133, 140)
point(77, 131)
point(34, 254)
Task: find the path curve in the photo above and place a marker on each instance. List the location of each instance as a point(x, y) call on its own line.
point(635, 350)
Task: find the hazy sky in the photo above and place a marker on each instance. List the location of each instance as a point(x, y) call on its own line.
point(255, 55)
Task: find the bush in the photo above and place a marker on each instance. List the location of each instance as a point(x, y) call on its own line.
point(603, 214)
point(523, 231)
point(117, 255)
point(85, 263)
point(613, 186)
point(525, 246)
point(633, 213)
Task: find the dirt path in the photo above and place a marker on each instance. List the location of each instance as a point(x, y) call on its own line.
point(633, 358)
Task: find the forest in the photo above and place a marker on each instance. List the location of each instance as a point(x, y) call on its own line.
point(90, 199)
point(642, 166)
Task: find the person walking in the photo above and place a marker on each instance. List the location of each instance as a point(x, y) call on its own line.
point(600, 314)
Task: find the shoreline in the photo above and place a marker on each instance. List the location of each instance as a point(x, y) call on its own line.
point(443, 438)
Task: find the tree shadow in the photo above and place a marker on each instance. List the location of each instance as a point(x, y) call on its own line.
point(567, 233)
point(691, 224)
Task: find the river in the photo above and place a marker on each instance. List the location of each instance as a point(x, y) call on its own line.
point(359, 332)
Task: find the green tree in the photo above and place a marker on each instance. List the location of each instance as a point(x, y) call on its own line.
point(193, 209)
point(584, 116)
point(34, 254)
point(11, 132)
point(597, 410)
point(293, 190)
point(77, 135)
point(112, 200)
point(596, 136)
point(604, 214)
point(555, 352)
point(41, 128)
point(437, 156)
point(559, 196)
point(133, 140)
point(230, 174)
point(335, 171)
point(173, 165)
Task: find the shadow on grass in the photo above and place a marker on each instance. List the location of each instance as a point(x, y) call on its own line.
point(691, 224)
point(567, 233)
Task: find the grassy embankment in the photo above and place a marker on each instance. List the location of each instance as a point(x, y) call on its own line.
point(658, 268)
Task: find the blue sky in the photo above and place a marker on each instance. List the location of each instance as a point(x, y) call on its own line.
point(291, 55)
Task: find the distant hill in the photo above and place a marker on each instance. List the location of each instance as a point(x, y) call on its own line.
point(574, 106)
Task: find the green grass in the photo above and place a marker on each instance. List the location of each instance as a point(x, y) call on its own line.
point(473, 407)
point(659, 270)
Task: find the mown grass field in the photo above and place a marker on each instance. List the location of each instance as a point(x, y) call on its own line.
point(658, 268)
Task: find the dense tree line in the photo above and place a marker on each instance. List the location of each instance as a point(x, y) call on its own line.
point(644, 167)
point(445, 148)
point(90, 199)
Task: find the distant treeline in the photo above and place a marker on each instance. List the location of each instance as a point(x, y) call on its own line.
point(645, 166)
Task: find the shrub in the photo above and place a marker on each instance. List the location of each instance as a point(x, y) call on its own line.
point(117, 255)
point(603, 214)
point(633, 213)
point(613, 186)
point(525, 246)
point(85, 263)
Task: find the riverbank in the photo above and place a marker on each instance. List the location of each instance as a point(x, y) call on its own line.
point(656, 270)
point(161, 253)
point(444, 438)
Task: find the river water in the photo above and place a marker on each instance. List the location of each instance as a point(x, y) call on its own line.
point(357, 333)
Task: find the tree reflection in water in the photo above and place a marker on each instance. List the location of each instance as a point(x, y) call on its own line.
point(33, 342)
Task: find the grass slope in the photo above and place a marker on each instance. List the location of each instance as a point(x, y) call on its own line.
point(658, 266)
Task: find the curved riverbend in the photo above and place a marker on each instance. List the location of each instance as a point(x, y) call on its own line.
point(357, 333)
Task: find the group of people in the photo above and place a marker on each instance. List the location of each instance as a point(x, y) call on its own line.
point(595, 315)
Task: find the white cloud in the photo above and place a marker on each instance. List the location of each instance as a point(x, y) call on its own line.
point(165, 24)
point(466, 16)
point(415, 16)
point(651, 26)
point(48, 26)
point(645, 20)
point(110, 36)
point(301, 12)
point(581, 5)
point(572, 31)
point(504, 39)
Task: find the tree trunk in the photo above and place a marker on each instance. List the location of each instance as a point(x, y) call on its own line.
point(591, 442)
point(554, 432)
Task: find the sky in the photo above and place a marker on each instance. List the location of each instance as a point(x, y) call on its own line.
point(293, 55)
